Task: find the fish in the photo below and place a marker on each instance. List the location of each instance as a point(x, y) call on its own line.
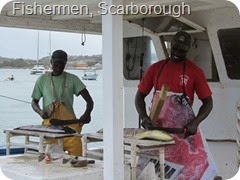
point(155, 135)
point(49, 129)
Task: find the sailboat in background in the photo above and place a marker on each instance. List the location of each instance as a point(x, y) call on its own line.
point(48, 67)
point(37, 69)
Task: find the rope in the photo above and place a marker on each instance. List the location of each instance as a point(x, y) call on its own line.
point(141, 65)
point(15, 99)
point(238, 141)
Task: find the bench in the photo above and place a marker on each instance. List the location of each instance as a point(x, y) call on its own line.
point(132, 146)
point(27, 144)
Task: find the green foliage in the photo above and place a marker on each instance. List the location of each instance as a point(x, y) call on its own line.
point(29, 63)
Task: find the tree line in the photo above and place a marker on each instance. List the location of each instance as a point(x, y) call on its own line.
point(28, 63)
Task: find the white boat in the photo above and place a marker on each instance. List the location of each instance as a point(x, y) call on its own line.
point(37, 69)
point(11, 78)
point(89, 75)
point(215, 28)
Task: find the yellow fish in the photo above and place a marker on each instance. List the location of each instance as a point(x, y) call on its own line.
point(154, 134)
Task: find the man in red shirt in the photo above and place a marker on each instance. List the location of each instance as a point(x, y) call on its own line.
point(182, 76)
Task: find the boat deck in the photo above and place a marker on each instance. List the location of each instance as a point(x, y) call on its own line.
point(133, 147)
point(27, 167)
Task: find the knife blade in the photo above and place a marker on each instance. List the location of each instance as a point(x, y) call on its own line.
point(82, 163)
point(60, 122)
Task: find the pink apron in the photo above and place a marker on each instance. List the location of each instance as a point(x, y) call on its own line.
point(189, 153)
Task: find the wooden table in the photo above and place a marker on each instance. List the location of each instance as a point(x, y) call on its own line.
point(135, 146)
point(27, 143)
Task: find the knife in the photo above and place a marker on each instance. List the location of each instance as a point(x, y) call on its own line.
point(60, 122)
point(82, 163)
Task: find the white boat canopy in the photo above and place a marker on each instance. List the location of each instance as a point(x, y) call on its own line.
point(79, 15)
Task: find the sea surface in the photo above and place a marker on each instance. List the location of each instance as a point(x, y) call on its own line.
point(15, 98)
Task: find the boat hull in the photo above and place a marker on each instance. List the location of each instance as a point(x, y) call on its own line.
point(37, 70)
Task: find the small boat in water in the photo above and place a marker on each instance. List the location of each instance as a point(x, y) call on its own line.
point(11, 78)
point(38, 69)
point(89, 75)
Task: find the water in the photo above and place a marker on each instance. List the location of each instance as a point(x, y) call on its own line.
point(17, 111)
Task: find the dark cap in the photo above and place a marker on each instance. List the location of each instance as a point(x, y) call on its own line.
point(59, 55)
point(183, 39)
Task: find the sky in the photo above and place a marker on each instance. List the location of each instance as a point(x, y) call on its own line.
point(22, 43)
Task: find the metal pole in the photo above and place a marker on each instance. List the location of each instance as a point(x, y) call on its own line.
point(141, 66)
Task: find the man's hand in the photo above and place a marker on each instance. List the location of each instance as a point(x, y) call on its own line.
point(85, 118)
point(44, 114)
point(191, 128)
point(146, 123)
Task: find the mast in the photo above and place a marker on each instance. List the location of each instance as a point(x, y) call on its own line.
point(50, 43)
point(38, 48)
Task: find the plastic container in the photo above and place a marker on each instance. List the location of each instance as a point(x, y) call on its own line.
point(48, 158)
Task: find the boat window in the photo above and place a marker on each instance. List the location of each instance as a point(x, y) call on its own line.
point(230, 45)
point(137, 56)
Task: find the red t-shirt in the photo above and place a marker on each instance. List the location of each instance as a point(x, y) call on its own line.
point(172, 75)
